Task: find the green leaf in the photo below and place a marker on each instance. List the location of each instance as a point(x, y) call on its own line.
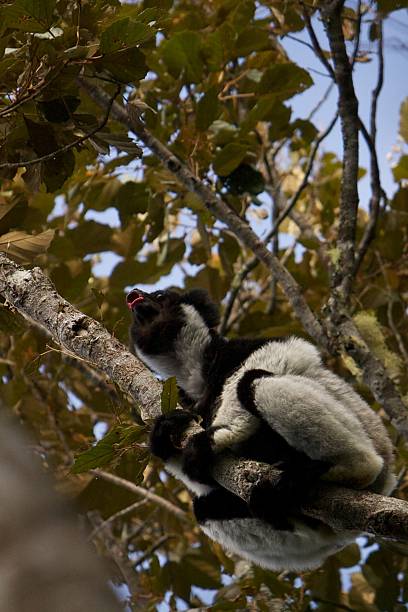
point(127, 65)
point(403, 126)
point(285, 80)
point(123, 34)
point(111, 447)
point(400, 200)
point(245, 179)
point(90, 237)
point(29, 15)
point(155, 217)
point(169, 395)
point(207, 109)
point(400, 171)
point(387, 6)
point(223, 132)
point(252, 39)
point(99, 455)
point(268, 108)
point(131, 199)
point(122, 142)
point(229, 158)
point(131, 272)
point(182, 55)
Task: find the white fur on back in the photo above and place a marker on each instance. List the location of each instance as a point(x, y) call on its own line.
point(190, 345)
point(255, 540)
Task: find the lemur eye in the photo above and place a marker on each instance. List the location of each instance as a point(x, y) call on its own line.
point(160, 295)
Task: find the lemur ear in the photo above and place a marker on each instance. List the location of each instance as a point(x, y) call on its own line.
point(202, 302)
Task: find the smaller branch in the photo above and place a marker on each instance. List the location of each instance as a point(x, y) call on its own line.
point(285, 211)
point(64, 149)
point(153, 549)
point(320, 103)
point(151, 497)
point(293, 201)
point(118, 514)
point(315, 42)
point(358, 33)
point(377, 191)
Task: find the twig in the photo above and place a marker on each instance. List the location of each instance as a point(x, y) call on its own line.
point(67, 147)
point(118, 514)
point(305, 181)
point(315, 42)
point(285, 210)
point(148, 495)
point(153, 549)
point(219, 208)
point(377, 191)
point(358, 33)
point(11, 108)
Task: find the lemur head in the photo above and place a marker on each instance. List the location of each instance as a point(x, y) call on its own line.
point(171, 329)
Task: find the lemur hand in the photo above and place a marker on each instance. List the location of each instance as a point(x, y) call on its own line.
point(167, 432)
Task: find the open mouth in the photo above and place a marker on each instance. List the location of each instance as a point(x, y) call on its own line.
point(133, 298)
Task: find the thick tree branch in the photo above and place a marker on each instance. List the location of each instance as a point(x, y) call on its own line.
point(33, 294)
point(342, 274)
point(341, 508)
point(35, 297)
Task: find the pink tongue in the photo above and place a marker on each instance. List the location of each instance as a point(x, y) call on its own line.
point(140, 298)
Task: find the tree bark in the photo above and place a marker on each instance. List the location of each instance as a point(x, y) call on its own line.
point(34, 296)
point(44, 563)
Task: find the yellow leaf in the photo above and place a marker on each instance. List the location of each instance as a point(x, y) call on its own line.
point(23, 247)
point(372, 333)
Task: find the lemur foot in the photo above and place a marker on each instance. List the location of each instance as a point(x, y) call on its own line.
point(278, 503)
point(165, 437)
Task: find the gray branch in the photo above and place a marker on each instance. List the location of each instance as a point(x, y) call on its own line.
point(216, 206)
point(33, 294)
point(342, 275)
point(341, 508)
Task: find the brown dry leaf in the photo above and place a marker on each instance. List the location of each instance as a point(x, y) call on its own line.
point(23, 247)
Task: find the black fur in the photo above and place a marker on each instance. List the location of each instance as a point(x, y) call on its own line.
point(219, 505)
point(157, 323)
point(165, 437)
point(198, 458)
point(201, 301)
point(245, 390)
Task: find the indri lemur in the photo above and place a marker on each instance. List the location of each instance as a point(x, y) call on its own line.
point(264, 399)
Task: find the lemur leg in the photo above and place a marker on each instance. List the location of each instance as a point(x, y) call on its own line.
point(315, 423)
point(220, 505)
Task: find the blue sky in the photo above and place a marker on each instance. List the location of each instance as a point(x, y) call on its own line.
point(395, 89)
